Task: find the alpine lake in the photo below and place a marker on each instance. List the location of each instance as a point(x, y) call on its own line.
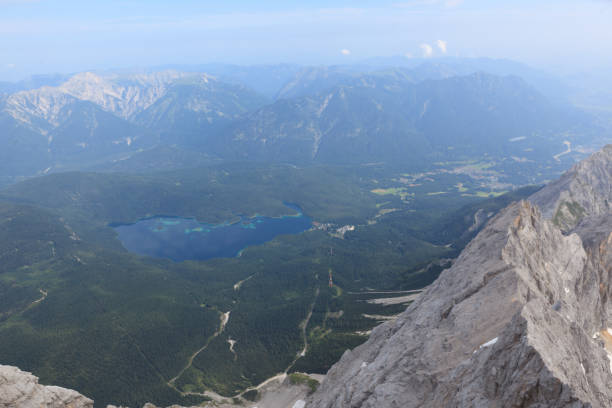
point(181, 239)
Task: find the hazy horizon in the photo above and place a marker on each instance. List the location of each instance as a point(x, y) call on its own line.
point(43, 37)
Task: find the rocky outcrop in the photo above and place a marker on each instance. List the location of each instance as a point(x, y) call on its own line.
point(122, 96)
point(520, 320)
point(583, 191)
point(21, 389)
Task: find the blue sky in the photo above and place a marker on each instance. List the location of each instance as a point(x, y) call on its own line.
point(42, 36)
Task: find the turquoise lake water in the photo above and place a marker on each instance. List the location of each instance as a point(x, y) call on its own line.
point(183, 239)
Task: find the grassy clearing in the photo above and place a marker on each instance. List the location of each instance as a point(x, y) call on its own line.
point(299, 379)
point(401, 192)
point(485, 194)
point(385, 211)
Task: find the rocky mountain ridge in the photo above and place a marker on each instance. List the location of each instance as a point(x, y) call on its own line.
point(520, 320)
point(324, 114)
point(123, 96)
point(93, 118)
point(388, 117)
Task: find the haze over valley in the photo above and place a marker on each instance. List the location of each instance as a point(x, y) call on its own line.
point(359, 227)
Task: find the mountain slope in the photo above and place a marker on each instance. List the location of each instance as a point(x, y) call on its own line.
point(194, 108)
point(93, 119)
point(24, 150)
point(390, 118)
point(581, 192)
point(521, 319)
point(314, 80)
point(124, 96)
point(45, 128)
point(445, 67)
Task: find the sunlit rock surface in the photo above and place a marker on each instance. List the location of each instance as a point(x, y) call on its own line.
point(21, 389)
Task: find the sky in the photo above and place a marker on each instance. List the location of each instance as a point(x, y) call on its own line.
point(46, 36)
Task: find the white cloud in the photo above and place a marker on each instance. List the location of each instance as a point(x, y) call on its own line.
point(408, 55)
point(427, 50)
point(345, 52)
point(10, 66)
point(442, 45)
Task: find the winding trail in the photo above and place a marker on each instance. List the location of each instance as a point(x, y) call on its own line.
point(304, 326)
point(44, 294)
point(239, 284)
point(232, 343)
point(224, 319)
point(568, 151)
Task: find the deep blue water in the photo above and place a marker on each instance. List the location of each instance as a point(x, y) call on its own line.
point(181, 239)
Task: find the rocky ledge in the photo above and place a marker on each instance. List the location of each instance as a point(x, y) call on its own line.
point(21, 389)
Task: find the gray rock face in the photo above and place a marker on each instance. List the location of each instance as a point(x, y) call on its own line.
point(585, 190)
point(520, 320)
point(21, 389)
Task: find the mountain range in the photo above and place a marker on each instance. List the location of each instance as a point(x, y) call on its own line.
point(390, 118)
point(410, 115)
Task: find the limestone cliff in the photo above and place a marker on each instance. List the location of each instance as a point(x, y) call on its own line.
point(520, 320)
point(21, 389)
point(583, 191)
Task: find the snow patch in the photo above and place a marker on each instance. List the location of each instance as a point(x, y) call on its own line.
point(299, 404)
point(489, 343)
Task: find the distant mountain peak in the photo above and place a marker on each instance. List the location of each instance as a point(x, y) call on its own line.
point(123, 98)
